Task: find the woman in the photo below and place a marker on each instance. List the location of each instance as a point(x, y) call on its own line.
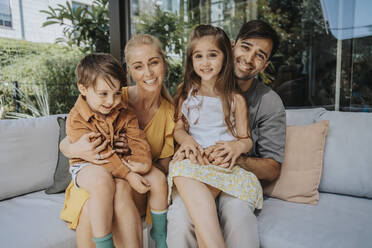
point(146, 66)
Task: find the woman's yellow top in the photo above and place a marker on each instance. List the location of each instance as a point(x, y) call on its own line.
point(159, 134)
point(159, 131)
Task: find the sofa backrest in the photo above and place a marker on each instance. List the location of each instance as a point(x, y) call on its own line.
point(347, 162)
point(28, 155)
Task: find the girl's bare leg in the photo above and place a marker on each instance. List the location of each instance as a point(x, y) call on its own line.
point(100, 185)
point(200, 203)
point(127, 223)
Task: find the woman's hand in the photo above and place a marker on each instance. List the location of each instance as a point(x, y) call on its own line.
point(190, 149)
point(87, 149)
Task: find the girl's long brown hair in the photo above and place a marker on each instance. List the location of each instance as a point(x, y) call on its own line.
point(225, 85)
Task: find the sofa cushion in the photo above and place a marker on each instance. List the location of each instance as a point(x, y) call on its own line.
point(337, 221)
point(302, 166)
point(62, 176)
point(347, 167)
point(33, 221)
point(28, 149)
point(302, 116)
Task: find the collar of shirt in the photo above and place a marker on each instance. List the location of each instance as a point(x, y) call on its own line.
point(86, 112)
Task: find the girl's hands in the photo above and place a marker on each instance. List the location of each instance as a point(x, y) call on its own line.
point(190, 149)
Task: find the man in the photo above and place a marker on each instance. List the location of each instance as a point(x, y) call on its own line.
point(253, 48)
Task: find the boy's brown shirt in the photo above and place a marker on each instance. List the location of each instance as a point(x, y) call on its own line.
point(82, 120)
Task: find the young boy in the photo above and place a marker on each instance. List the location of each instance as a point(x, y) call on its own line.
point(100, 109)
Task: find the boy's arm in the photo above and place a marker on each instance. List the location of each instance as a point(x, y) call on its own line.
point(140, 149)
point(77, 127)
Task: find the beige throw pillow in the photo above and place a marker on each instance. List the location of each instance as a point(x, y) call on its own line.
point(302, 166)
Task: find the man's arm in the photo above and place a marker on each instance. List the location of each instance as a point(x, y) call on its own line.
point(264, 168)
point(268, 134)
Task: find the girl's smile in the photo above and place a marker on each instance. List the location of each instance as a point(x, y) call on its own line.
point(207, 59)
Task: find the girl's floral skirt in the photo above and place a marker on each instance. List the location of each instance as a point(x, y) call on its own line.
point(236, 182)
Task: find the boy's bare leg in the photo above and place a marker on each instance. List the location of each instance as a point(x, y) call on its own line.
point(100, 185)
point(200, 203)
point(127, 223)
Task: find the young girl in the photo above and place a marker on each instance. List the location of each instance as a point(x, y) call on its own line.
point(209, 111)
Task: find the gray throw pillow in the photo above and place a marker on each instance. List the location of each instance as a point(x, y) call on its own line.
point(62, 176)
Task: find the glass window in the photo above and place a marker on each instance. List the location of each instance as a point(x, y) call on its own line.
point(38, 55)
point(312, 67)
point(5, 14)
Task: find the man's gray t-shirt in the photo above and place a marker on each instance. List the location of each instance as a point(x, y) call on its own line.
point(266, 121)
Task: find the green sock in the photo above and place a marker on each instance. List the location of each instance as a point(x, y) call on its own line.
point(158, 231)
point(104, 242)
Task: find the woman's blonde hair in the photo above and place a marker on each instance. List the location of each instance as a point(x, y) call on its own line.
point(146, 39)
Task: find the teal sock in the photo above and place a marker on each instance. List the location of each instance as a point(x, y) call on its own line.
point(104, 242)
point(158, 231)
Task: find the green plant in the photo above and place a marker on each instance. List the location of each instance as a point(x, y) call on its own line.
point(170, 29)
point(41, 108)
point(86, 27)
point(52, 67)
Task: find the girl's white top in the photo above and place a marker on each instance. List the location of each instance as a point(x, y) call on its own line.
point(206, 119)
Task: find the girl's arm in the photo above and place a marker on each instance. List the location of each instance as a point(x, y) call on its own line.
point(225, 153)
point(189, 148)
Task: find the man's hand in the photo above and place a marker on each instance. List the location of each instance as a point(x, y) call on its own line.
point(225, 153)
point(137, 182)
point(137, 167)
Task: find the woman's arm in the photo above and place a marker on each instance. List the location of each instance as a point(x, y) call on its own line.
point(86, 149)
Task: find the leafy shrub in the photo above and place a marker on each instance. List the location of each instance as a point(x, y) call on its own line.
point(51, 67)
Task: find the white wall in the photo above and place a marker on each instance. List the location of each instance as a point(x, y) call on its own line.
point(33, 20)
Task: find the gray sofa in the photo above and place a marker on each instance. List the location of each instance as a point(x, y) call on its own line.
point(342, 218)
point(28, 157)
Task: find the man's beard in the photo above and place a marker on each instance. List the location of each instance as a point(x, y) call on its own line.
point(246, 76)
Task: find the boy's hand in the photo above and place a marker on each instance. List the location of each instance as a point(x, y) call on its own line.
point(137, 167)
point(137, 182)
point(121, 144)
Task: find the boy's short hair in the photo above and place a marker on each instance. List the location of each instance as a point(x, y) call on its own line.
point(96, 65)
point(259, 29)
